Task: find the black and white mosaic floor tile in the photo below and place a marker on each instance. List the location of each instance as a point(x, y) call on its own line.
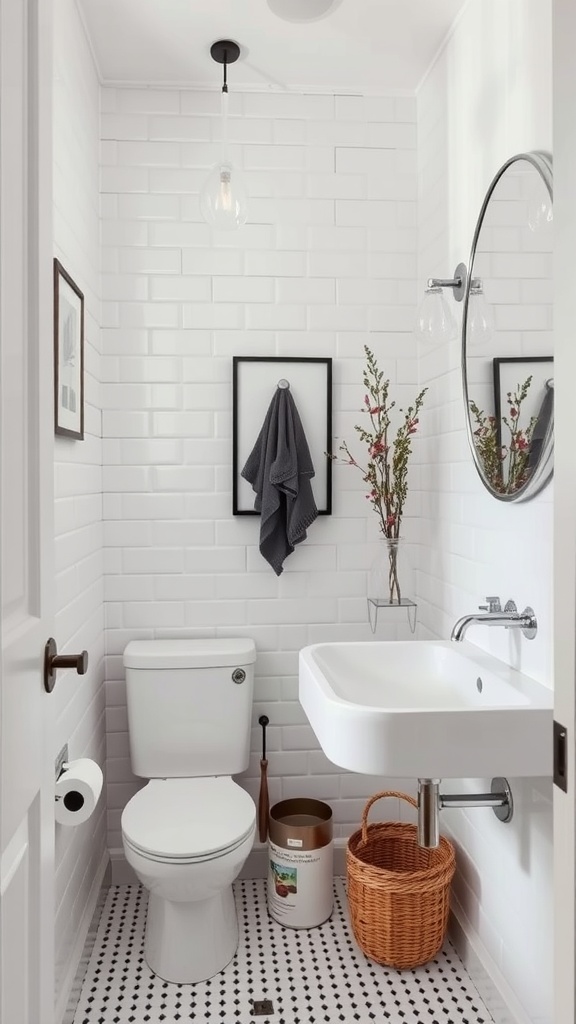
point(316, 976)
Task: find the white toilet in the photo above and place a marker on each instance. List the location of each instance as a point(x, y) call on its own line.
point(188, 833)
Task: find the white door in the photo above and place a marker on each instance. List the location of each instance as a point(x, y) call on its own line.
point(26, 532)
point(565, 501)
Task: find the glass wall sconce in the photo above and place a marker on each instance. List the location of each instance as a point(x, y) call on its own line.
point(223, 198)
point(480, 319)
point(540, 215)
point(435, 320)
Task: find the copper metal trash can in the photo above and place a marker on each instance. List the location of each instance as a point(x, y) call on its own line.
point(300, 863)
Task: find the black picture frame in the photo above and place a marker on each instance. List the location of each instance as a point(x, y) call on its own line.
point(510, 371)
point(68, 355)
point(254, 379)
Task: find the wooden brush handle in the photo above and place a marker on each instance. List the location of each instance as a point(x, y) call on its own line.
point(263, 802)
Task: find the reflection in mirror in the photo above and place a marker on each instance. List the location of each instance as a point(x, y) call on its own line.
point(507, 359)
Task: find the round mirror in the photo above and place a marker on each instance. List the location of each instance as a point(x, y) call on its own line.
point(507, 353)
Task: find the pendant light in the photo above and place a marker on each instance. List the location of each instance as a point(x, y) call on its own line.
point(223, 200)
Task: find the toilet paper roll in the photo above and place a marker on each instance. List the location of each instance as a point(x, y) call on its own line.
point(77, 790)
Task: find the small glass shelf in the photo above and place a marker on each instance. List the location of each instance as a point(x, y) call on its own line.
point(374, 605)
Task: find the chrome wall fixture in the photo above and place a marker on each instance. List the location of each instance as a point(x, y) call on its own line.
point(435, 320)
point(223, 199)
point(456, 283)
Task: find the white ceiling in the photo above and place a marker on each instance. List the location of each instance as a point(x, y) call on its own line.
point(362, 46)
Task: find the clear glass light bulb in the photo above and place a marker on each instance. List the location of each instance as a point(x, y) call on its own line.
point(480, 325)
point(435, 321)
point(223, 199)
point(540, 214)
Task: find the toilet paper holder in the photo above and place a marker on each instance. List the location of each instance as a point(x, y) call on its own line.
point(78, 786)
point(61, 762)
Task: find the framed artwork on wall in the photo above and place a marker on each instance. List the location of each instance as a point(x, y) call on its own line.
point(532, 379)
point(510, 374)
point(68, 355)
point(254, 381)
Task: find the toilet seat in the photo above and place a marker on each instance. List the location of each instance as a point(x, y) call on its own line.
point(187, 820)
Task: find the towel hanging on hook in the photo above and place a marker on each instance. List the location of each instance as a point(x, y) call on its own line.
point(280, 470)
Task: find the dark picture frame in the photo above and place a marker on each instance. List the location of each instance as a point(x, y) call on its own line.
point(68, 355)
point(254, 381)
point(509, 373)
point(514, 370)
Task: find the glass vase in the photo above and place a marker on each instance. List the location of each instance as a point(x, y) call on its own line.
point(391, 580)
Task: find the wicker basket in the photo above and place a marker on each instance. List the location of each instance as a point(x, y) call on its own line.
point(398, 892)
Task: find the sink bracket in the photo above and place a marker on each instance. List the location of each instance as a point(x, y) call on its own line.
point(431, 801)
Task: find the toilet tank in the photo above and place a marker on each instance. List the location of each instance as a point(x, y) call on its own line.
point(189, 706)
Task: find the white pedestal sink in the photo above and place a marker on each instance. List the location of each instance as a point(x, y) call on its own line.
point(425, 709)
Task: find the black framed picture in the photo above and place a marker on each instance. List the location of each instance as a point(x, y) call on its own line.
point(68, 355)
point(532, 379)
point(511, 373)
point(254, 382)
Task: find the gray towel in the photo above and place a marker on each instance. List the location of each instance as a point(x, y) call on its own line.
point(280, 468)
point(545, 418)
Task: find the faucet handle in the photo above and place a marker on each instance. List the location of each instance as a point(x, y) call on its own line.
point(492, 606)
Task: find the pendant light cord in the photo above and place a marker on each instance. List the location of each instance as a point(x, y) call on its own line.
point(225, 108)
point(225, 67)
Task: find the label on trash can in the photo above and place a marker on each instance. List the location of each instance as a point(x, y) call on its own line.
point(300, 885)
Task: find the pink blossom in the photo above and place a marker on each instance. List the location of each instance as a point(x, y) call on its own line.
point(377, 449)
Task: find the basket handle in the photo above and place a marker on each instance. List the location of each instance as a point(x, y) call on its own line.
point(379, 796)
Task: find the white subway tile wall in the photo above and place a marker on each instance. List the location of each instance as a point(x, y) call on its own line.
point(326, 263)
point(78, 701)
point(471, 544)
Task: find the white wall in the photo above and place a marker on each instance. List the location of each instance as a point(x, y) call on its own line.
point(487, 97)
point(326, 263)
point(79, 700)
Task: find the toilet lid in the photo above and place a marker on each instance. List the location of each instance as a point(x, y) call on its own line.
point(188, 818)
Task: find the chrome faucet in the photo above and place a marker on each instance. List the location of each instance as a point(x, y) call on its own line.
point(493, 615)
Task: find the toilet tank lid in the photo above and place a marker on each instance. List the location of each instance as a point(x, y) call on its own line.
point(203, 653)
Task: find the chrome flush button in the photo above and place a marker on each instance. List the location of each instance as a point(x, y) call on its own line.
point(238, 675)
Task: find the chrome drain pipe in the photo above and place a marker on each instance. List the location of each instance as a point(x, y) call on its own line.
point(431, 801)
point(428, 813)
